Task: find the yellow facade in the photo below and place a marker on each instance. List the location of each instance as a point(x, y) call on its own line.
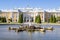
point(10, 15)
point(14, 15)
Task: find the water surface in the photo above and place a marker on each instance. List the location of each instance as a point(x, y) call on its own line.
point(5, 34)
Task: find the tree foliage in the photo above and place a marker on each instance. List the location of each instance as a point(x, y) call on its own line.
point(38, 19)
point(20, 18)
point(2, 19)
point(53, 19)
point(58, 18)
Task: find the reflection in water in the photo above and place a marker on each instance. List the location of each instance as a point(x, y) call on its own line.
point(43, 32)
point(50, 30)
point(6, 34)
point(30, 35)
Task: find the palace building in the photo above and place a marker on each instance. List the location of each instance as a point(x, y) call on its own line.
point(29, 14)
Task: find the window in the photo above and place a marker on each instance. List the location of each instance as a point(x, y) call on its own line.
point(24, 19)
point(31, 19)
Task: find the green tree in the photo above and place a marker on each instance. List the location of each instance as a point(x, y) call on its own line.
point(3, 19)
point(51, 19)
point(58, 18)
point(38, 19)
point(54, 19)
point(20, 18)
point(0, 18)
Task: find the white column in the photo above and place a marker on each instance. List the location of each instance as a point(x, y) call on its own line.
point(29, 19)
point(25, 15)
point(26, 19)
point(34, 17)
point(29, 16)
point(44, 17)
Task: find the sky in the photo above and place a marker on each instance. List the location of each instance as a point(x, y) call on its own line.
point(45, 4)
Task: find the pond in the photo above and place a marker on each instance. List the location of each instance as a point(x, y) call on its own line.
point(5, 34)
